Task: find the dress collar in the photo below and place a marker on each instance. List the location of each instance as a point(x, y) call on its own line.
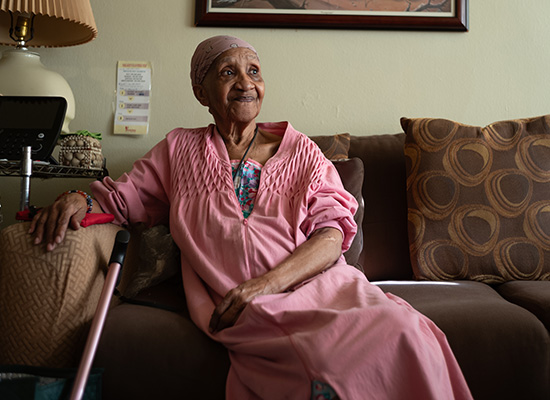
point(284, 129)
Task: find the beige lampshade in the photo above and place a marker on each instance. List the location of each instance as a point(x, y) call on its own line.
point(57, 23)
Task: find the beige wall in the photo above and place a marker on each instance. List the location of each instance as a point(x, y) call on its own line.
point(323, 81)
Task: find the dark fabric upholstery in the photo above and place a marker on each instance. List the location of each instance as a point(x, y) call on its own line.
point(151, 353)
point(385, 252)
point(503, 350)
point(351, 173)
point(531, 295)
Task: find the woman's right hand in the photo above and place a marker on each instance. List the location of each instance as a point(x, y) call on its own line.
point(50, 225)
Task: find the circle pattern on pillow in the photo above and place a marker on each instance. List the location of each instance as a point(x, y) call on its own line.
point(479, 199)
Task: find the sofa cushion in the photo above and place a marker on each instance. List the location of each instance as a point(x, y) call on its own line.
point(534, 296)
point(152, 353)
point(503, 349)
point(334, 147)
point(479, 199)
point(351, 173)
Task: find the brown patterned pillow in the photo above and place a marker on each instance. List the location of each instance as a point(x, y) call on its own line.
point(479, 199)
point(48, 299)
point(334, 147)
point(152, 257)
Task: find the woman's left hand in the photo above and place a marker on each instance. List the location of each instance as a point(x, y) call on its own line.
point(234, 302)
point(318, 253)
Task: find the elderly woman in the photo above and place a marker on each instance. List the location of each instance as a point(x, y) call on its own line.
point(262, 219)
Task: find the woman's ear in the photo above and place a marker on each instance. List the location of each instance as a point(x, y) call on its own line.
point(200, 94)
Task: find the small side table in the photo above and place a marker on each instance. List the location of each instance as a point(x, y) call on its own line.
point(27, 169)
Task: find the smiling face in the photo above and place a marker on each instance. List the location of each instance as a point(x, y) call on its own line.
point(233, 89)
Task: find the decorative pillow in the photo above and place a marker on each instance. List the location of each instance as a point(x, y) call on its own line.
point(334, 147)
point(48, 299)
point(153, 257)
point(351, 173)
point(479, 199)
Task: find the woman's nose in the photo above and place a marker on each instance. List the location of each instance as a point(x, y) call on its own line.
point(244, 81)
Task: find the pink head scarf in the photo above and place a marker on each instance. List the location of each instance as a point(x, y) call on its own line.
point(207, 51)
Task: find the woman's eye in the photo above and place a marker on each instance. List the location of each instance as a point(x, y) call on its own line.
point(227, 73)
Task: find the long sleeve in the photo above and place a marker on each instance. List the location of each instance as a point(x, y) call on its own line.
point(141, 195)
point(330, 205)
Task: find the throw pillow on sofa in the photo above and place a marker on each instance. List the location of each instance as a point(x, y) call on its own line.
point(47, 299)
point(152, 257)
point(479, 199)
point(334, 147)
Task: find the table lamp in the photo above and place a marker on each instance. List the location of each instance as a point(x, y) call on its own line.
point(46, 23)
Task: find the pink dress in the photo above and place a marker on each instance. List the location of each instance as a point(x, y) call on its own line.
point(335, 328)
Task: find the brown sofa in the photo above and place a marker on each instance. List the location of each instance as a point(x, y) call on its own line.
point(499, 333)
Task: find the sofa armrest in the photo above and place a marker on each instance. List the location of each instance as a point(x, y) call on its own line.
point(47, 299)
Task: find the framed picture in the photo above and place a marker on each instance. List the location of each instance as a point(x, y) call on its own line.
point(338, 14)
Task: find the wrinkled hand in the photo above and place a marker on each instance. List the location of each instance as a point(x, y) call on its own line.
point(234, 302)
point(50, 225)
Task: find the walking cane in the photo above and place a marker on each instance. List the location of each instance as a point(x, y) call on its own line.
point(115, 264)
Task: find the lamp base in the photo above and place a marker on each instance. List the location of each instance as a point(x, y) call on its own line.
point(23, 74)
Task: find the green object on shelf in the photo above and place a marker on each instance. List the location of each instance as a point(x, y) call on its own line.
point(84, 132)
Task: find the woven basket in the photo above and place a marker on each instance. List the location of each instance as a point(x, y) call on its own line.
point(80, 151)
